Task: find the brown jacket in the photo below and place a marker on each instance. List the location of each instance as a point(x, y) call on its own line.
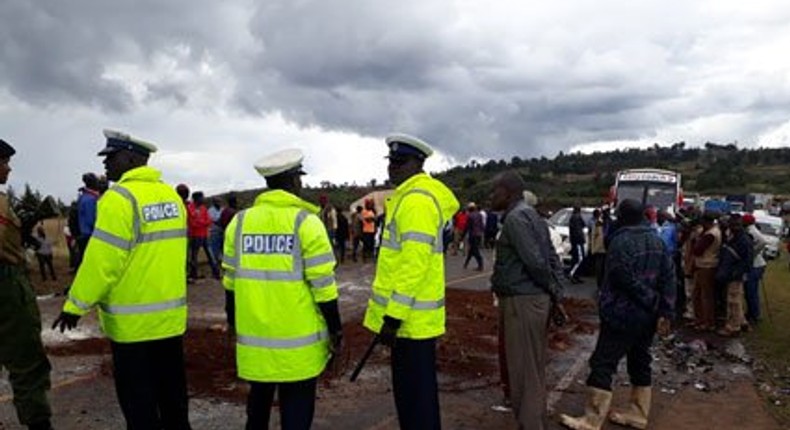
point(11, 251)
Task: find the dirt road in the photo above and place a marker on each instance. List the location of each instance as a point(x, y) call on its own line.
point(83, 394)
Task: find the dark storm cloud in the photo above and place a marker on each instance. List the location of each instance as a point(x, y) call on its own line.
point(491, 81)
point(59, 52)
point(376, 69)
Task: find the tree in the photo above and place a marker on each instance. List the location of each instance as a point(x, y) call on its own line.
point(30, 199)
point(469, 182)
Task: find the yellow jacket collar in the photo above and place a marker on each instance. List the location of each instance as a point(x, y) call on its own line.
point(143, 173)
point(445, 196)
point(284, 198)
point(411, 182)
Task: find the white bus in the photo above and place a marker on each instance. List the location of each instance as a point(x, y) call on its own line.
point(653, 187)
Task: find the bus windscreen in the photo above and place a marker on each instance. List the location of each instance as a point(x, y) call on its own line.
point(661, 196)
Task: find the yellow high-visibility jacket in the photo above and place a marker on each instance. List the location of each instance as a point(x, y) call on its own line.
point(409, 283)
point(280, 264)
point(133, 267)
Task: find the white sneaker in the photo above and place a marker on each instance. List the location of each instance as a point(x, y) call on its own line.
point(505, 406)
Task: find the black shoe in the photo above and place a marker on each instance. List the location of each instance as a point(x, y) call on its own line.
point(575, 280)
point(43, 425)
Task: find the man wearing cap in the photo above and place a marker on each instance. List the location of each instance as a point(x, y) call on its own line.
point(21, 350)
point(283, 296)
point(406, 309)
point(133, 270)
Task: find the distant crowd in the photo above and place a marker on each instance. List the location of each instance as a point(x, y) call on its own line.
point(718, 258)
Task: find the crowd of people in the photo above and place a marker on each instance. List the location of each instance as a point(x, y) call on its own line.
point(145, 237)
point(357, 233)
point(718, 260)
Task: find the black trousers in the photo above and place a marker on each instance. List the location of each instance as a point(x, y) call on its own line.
point(297, 404)
point(474, 251)
point(151, 384)
point(355, 242)
point(45, 262)
point(680, 279)
point(341, 248)
point(599, 265)
point(611, 347)
point(82, 245)
point(368, 242)
point(414, 384)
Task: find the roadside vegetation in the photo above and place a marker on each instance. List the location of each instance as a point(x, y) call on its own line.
point(577, 178)
point(770, 342)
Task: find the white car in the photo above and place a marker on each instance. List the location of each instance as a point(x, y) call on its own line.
point(559, 222)
point(772, 227)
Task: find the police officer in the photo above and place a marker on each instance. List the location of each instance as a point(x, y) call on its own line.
point(21, 351)
point(133, 271)
point(406, 309)
point(280, 269)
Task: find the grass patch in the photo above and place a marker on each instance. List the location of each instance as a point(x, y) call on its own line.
point(770, 343)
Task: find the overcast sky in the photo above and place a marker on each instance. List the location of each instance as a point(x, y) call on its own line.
point(217, 85)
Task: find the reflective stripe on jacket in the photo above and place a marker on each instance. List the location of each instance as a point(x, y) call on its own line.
point(133, 268)
point(409, 283)
point(280, 264)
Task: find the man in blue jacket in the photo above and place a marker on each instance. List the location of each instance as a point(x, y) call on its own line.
point(637, 299)
point(86, 210)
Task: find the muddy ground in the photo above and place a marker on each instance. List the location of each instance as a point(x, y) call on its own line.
point(83, 394)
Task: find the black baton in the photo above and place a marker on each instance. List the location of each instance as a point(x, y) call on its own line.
point(365, 358)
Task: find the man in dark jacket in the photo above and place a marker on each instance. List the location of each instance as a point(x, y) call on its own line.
point(637, 298)
point(576, 231)
point(525, 282)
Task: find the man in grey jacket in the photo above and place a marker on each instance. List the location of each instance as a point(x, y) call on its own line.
point(525, 280)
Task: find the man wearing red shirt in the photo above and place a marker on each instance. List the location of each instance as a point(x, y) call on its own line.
point(459, 229)
point(199, 224)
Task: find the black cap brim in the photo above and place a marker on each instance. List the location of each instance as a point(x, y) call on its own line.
point(107, 151)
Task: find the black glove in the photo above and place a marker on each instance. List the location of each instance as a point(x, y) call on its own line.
point(336, 343)
point(230, 308)
point(389, 331)
point(331, 315)
point(66, 321)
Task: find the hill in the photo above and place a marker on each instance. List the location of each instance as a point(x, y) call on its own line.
point(585, 178)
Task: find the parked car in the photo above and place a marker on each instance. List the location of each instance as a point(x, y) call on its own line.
point(772, 227)
point(559, 223)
